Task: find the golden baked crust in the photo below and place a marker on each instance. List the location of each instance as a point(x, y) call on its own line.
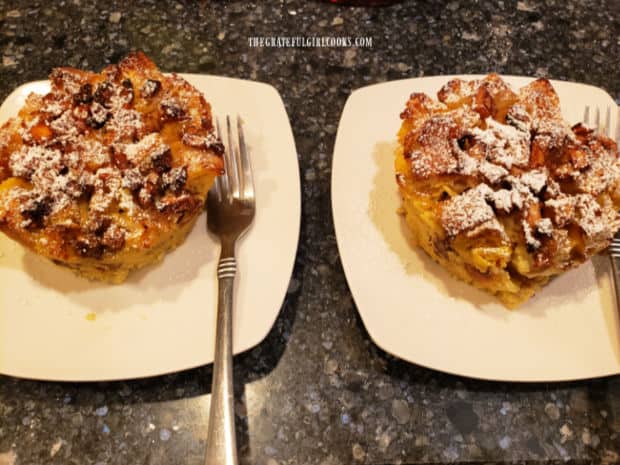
point(499, 190)
point(107, 172)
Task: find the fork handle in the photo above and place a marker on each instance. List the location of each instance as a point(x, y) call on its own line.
point(221, 442)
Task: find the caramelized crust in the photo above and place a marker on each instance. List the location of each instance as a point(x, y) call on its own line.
point(107, 172)
point(498, 189)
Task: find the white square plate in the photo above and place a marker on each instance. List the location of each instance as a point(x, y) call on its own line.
point(413, 309)
point(56, 326)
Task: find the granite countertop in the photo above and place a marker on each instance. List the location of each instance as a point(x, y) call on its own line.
point(317, 390)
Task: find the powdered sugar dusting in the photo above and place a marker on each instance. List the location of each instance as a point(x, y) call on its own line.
point(65, 127)
point(62, 160)
point(88, 167)
point(535, 180)
point(562, 208)
point(604, 170)
point(54, 107)
point(468, 211)
point(434, 157)
point(505, 145)
point(544, 226)
point(107, 185)
point(590, 217)
point(457, 89)
point(126, 124)
point(194, 140)
point(518, 117)
point(491, 172)
point(504, 199)
point(25, 129)
point(139, 151)
point(531, 164)
point(91, 152)
point(530, 240)
point(45, 169)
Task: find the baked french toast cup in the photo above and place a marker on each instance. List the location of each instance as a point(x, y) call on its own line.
point(498, 189)
point(109, 171)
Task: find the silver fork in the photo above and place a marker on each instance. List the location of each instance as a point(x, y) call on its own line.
point(614, 247)
point(230, 210)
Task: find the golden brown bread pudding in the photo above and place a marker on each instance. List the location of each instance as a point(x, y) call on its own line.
point(500, 190)
point(107, 172)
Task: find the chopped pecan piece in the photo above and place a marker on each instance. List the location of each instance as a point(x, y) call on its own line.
point(194, 137)
point(98, 116)
point(132, 180)
point(119, 159)
point(84, 96)
point(175, 179)
point(179, 205)
point(127, 92)
point(98, 224)
point(36, 210)
point(150, 88)
point(89, 246)
point(114, 238)
point(161, 158)
point(172, 110)
point(103, 94)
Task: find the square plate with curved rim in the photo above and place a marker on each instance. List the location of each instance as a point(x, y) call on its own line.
point(413, 309)
point(57, 326)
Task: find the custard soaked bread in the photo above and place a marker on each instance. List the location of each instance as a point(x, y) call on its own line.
point(500, 190)
point(107, 172)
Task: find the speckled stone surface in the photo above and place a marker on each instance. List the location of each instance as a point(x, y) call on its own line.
point(316, 391)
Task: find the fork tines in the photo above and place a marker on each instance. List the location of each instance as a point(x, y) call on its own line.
point(602, 128)
point(238, 182)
